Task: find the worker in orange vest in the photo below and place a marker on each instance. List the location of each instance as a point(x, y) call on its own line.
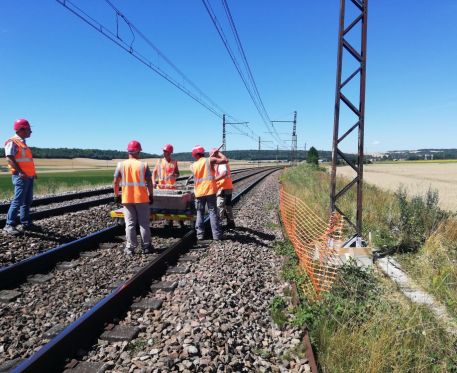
point(224, 190)
point(22, 169)
point(205, 189)
point(166, 170)
point(134, 176)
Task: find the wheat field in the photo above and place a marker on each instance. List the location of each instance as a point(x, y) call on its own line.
point(416, 178)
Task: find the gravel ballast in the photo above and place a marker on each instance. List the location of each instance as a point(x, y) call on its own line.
point(218, 318)
point(48, 303)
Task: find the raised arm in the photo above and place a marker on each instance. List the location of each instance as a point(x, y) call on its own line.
point(218, 158)
point(221, 174)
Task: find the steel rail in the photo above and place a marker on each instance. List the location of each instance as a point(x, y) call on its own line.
point(83, 332)
point(69, 197)
point(17, 273)
point(64, 209)
point(61, 198)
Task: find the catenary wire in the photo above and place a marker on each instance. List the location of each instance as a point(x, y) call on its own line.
point(262, 112)
point(248, 82)
point(246, 63)
point(208, 103)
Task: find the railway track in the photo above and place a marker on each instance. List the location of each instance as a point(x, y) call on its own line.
point(114, 301)
point(18, 272)
point(62, 226)
point(54, 206)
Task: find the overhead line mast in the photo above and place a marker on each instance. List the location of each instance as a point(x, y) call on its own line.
point(293, 149)
point(358, 111)
point(224, 137)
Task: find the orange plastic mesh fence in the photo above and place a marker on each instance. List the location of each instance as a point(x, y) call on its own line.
point(314, 240)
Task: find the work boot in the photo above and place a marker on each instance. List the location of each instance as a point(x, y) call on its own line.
point(231, 224)
point(128, 252)
point(29, 227)
point(12, 231)
point(147, 250)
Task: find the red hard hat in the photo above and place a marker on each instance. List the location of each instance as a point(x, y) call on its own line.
point(168, 148)
point(197, 149)
point(21, 123)
point(134, 147)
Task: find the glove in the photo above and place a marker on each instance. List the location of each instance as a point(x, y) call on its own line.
point(117, 199)
point(151, 199)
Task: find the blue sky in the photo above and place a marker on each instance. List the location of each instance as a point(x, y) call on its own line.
point(78, 89)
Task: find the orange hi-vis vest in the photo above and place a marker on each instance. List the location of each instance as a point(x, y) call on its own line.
point(225, 183)
point(166, 173)
point(134, 187)
point(24, 157)
point(204, 174)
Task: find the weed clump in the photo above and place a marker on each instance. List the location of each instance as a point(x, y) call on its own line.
point(417, 220)
point(277, 311)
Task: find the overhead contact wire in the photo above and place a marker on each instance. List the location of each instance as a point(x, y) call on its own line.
point(232, 56)
point(210, 105)
point(246, 63)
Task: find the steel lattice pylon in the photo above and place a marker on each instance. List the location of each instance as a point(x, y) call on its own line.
point(294, 140)
point(360, 58)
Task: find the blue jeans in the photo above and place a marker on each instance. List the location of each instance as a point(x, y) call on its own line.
point(200, 203)
point(22, 199)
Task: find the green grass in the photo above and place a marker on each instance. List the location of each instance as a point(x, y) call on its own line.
point(137, 345)
point(262, 352)
point(312, 185)
point(48, 183)
point(277, 313)
point(434, 265)
point(363, 324)
point(391, 219)
point(423, 236)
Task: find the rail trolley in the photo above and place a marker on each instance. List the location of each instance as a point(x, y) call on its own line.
point(169, 204)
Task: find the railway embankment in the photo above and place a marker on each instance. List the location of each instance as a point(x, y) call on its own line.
point(364, 323)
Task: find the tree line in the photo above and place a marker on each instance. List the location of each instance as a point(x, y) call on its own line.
point(248, 155)
point(69, 153)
